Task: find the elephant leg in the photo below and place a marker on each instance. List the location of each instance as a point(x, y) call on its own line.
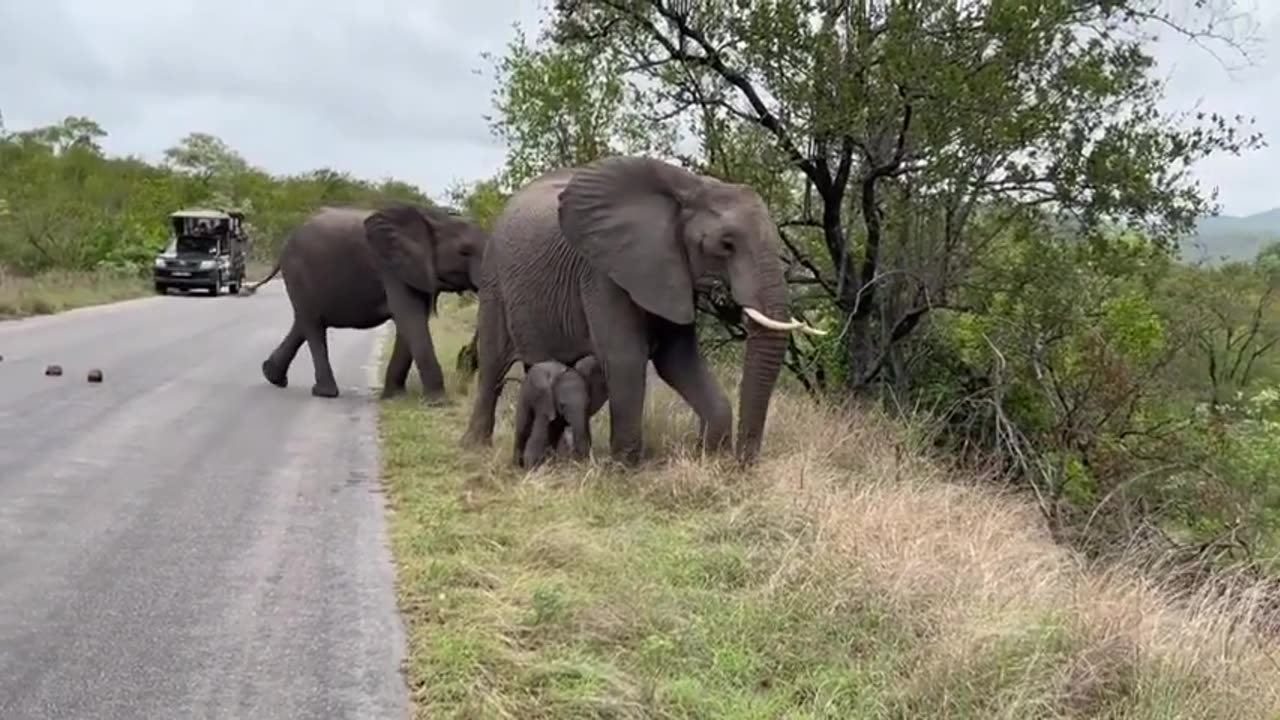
point(397, 367)
point(318, 343)
point(535, 449)
point(497, 355)
point(555, 434)
point(564, 446)
point(580, 427)
point(626, 408)
point(584, 442)
point(524, 421)
point(620, 339)
point(681, 366)
point(410, 315)
point(276, 367)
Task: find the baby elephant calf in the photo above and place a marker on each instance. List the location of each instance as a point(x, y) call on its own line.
point(553, 396)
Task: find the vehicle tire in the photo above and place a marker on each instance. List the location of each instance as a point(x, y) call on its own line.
point(216, 289)
point(162, 289)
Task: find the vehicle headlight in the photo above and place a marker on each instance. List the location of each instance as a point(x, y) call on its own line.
point(207, 264)
point(159, 262)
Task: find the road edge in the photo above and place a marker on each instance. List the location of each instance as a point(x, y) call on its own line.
point(386, 553)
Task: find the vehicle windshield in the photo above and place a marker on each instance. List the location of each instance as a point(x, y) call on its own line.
point(189, 245)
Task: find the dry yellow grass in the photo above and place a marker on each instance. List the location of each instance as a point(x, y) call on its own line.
point(844, 576)
point(975, 568)
point(57, 291)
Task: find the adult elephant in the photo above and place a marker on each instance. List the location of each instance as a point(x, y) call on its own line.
point(355, 268)
point(603, 260)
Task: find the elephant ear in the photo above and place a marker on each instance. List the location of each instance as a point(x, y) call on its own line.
point(623, 215)
point(404, 245)
point(588, 367)
point(593, 376)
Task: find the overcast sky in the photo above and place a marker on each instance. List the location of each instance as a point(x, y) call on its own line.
point(388, 87)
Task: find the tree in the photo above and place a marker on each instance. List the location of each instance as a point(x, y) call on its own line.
point(204, 156)
point(74, 132)
point(1232, 312)
point(481, 201)
point(560, 106)
point(65, 205)
point(903, 134)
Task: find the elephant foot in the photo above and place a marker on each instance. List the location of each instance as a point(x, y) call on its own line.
point(440, 400)
point(628, 457)
point(392, 391)
point(324, 391)
point(474, 441)
point(722, 447)
point(274, 374)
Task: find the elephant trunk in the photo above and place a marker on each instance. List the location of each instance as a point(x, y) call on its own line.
point(765, 351)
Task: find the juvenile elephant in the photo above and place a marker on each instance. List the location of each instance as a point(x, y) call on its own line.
point(552, 396)
point(355, 268)
point(603, 260)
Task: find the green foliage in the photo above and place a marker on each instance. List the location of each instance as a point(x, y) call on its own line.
point(205, 156)
point(561, 105)
point(893, 139)
point(64, 205)
point(481, 201)
point(1124, 387)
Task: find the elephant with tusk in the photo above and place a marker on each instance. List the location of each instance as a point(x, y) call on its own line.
point(603, 260)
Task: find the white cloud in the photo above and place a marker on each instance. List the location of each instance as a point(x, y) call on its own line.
point(387, 87)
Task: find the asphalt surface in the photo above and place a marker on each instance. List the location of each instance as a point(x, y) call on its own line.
point(185, 540)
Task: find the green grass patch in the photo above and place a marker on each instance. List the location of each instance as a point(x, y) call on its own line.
point(681, 591)
point(56, 291)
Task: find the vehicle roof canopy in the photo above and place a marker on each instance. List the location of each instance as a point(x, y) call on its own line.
point(227, 222)
point(207, 214)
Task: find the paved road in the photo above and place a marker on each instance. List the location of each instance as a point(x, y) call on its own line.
point(185, 540)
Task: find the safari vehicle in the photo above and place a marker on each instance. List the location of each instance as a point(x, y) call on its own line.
point(207, 251)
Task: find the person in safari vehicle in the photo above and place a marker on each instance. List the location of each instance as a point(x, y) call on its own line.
point(206, 251)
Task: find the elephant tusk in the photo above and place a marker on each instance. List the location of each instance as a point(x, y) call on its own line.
point(768, 322)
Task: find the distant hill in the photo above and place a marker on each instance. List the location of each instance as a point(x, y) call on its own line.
point(1232, 237)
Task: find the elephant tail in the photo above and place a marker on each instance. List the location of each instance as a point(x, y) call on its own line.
point(250, 289)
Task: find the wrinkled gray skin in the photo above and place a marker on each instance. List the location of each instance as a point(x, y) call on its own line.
point(603, 260)
point(355, 268)
point(553, 396)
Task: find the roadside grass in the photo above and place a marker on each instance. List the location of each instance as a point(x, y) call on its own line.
point(60, 290)
point(844, 577)
point(56, 291)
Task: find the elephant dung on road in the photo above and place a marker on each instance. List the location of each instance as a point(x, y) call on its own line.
point(603, 260)
point(552, 396)
point(355, 268)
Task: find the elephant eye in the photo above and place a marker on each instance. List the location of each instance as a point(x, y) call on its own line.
point(726, 244)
